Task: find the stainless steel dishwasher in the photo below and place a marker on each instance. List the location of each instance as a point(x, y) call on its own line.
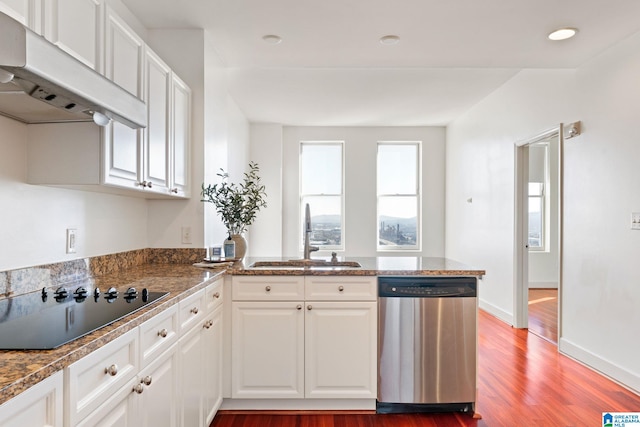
point(427, 344)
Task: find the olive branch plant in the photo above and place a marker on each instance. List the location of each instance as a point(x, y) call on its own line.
point(237, 204)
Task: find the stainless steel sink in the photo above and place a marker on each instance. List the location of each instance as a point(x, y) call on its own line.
point(302, 263)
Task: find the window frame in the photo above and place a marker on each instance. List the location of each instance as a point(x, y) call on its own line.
point(302, 196)
point(418, 195)
point(545, 204)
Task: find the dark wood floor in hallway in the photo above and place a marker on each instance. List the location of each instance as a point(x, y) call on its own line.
point(523, 382)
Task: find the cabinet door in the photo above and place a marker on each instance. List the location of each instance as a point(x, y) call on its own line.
point(159, 397)
point(75, 26)
point(119, 410)
point(267, 350)
point(180, 136)
point(340, 349)
point(17, 9)
point(40, 405)
point(156, 135)
point(124, 54)
point(191, 376)
point(212, 365)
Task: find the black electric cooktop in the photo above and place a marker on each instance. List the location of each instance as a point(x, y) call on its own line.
point(48, 319)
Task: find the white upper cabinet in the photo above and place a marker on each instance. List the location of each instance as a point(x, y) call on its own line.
point(156, 135)
point(75, 26)
point(124, 55)
point(27, 12)
point(180, 136)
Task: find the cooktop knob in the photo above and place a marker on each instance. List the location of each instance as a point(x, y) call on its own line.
point(44, 294)
point(61, 293)
point(111, 294)
point(96, 293)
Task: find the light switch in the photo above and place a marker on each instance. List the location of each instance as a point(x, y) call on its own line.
point(635, 220)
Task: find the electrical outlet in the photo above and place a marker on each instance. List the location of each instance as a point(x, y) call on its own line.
point(186, 235)
point(71, 240)
point(635, 220)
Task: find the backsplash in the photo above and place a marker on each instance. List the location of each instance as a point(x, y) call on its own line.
point(25, 280)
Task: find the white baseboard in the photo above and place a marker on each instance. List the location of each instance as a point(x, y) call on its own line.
point(496, 312)
point(298, 404)
point(616, 373)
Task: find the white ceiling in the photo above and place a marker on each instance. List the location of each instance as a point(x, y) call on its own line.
point(331, 69)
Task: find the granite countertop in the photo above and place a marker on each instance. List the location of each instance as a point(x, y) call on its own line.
point(371, 266)
point(21, 369)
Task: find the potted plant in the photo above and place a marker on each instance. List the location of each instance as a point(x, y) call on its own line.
point(237, 204)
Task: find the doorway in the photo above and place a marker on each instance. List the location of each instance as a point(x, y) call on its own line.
point(538, 237)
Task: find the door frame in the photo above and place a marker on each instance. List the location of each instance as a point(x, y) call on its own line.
point(521, 226)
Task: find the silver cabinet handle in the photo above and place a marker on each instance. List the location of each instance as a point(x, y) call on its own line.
point(163, 333)
point(194, 310)
point(149, 184)
point(299, 307)
point(268, 289)
point(146, 380)
point(111, 370)
point(309, 307)
point(216, 295)
point(340, 288)
point(138, 388)
point(174, 190)
point(208, 324)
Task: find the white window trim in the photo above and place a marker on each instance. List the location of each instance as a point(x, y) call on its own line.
point(418, 246)
point(545, 199)
point(323, 248)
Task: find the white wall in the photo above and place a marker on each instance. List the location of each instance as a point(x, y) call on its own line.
point(34, 219)
point(265, 235)
point(600, 318)
point(360, 184)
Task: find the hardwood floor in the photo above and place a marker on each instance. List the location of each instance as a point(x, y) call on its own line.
point(523, 382)
point(543, 313)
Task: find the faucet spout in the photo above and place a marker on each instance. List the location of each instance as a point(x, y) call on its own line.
point(307, 234)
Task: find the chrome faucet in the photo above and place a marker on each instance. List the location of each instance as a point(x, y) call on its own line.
point(307, 234)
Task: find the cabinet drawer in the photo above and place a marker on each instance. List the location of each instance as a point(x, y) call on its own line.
point(93, 379)
point(157, 334)
point(191, 310)
point(261, 288)
point(336, 288)
point(214, 295)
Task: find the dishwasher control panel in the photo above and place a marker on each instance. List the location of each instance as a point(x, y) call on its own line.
point(427, 287)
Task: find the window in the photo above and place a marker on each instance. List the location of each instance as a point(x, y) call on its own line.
point(321, 185)
point(538, 197)
point(398, 189)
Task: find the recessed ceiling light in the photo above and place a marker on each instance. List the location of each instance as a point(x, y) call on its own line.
point(390, 39)
point(563, 34)
point(272, 39)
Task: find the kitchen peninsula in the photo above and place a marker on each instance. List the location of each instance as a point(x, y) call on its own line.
point(191, 290)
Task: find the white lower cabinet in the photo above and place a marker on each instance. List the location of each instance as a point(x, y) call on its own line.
point(40, 405)
point(167, 372)
point(321, 347)
point(157, 390)
point(267, 349)
point(200, 349)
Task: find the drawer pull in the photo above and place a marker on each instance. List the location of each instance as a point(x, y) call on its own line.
point(216, 295)
point(163, 333)
point(208, 324)
point(146, 380)
point(268, 289)
point(340, 288)
point(309, 307)
point(111, 370)
point(194, 310)
point(138, 388)
point(299, 307)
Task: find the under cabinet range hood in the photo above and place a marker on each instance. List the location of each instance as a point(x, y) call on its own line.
point(41, 83)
